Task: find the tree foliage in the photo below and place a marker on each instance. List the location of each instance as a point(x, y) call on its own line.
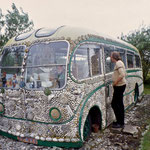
point(1, 26)
point(141, 40)
point(13, 23)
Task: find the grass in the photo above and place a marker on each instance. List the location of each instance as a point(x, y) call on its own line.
point(147, 88)
point(147, 85)
point(146, 140)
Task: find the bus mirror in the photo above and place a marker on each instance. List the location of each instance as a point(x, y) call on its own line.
point(108, 60)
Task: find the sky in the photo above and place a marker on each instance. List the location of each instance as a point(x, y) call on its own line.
point(111, 17)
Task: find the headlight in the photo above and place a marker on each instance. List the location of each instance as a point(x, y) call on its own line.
point(55, 114)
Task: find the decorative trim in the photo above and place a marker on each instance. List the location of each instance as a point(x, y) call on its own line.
point(47, 143)
point(136, 70)
point(23, 36)
point(53, 31)
point(51, 115)
point(84, 99)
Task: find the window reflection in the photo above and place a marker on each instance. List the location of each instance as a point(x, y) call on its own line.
point(109, 67)
point(10, 68)
point(46, 65)
point(42, 77)
point(80, 67)
point(95, 61)
point(86, 61)
point(12, 56)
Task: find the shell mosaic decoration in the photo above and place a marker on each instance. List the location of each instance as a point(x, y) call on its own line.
point(57, 117)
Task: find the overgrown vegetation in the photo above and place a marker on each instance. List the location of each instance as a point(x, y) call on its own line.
point(147, 85)
point(141, 40)
point(13, 23)
point(146, 140)
point(146, 89)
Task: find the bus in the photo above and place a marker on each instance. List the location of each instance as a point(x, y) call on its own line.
point(56, 84)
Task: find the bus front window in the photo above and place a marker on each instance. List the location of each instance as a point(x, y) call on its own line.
point(10, 67)
point(46, 65)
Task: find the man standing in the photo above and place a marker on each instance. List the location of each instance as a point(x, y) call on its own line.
point(119, 85)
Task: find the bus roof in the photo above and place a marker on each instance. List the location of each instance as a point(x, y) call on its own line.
point(66, 32)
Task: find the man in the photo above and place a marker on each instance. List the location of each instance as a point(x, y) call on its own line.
point(119, 85)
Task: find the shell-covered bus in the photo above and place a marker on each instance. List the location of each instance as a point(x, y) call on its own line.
point(55, 84)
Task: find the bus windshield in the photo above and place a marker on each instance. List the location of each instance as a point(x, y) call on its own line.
point(46, 65)
point(10, 66)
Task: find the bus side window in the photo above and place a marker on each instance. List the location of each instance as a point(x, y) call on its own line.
point(130, 61)
point(80, 65)
point(86, 61)
point(122, 54)
point(95, 61)
point(107, 52)
point(137, 61)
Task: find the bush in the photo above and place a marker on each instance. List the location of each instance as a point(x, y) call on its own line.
point(147, 81)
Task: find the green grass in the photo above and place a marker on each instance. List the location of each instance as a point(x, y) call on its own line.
point(146, 140)
point(147, 88)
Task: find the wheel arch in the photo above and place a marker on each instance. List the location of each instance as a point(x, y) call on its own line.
point(94, 112)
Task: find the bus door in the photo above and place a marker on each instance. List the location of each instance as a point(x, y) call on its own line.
point(108, 69)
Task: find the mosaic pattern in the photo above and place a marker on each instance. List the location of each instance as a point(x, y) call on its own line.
point(27, 112)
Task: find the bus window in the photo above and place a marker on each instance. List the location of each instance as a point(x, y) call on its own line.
point(46, 65)
point(95, 61)
point(11, 63)
point(130, 60)
point(137, 61)
point(86, 61)
point(80, 67)
point(107, 52)
point(122, 54)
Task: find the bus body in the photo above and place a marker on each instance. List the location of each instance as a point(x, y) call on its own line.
point(56, 84)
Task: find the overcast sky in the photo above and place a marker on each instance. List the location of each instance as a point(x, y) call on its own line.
point(111, 17)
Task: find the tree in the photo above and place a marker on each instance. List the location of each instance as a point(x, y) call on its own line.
point(15, 22)
point(1, 21)
point(1, 26)
point(141, 40)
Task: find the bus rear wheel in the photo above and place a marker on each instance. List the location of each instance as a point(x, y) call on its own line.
point(87, 127)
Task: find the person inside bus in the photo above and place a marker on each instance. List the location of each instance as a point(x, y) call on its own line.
point(119, 85)
point(4, 80)
point(14, 81)
point(22, 83)
point(95, 62)
point(60, 76)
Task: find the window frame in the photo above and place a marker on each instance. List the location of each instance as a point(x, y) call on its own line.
point(49, 65)
point(140, 64)
point(133, 58)
point(107, 45)
point(89, 61)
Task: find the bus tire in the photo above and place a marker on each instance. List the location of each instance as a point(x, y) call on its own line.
point(87, 128)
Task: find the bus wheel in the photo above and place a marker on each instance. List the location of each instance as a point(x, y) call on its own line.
point(136, 91)
point(87, 128)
